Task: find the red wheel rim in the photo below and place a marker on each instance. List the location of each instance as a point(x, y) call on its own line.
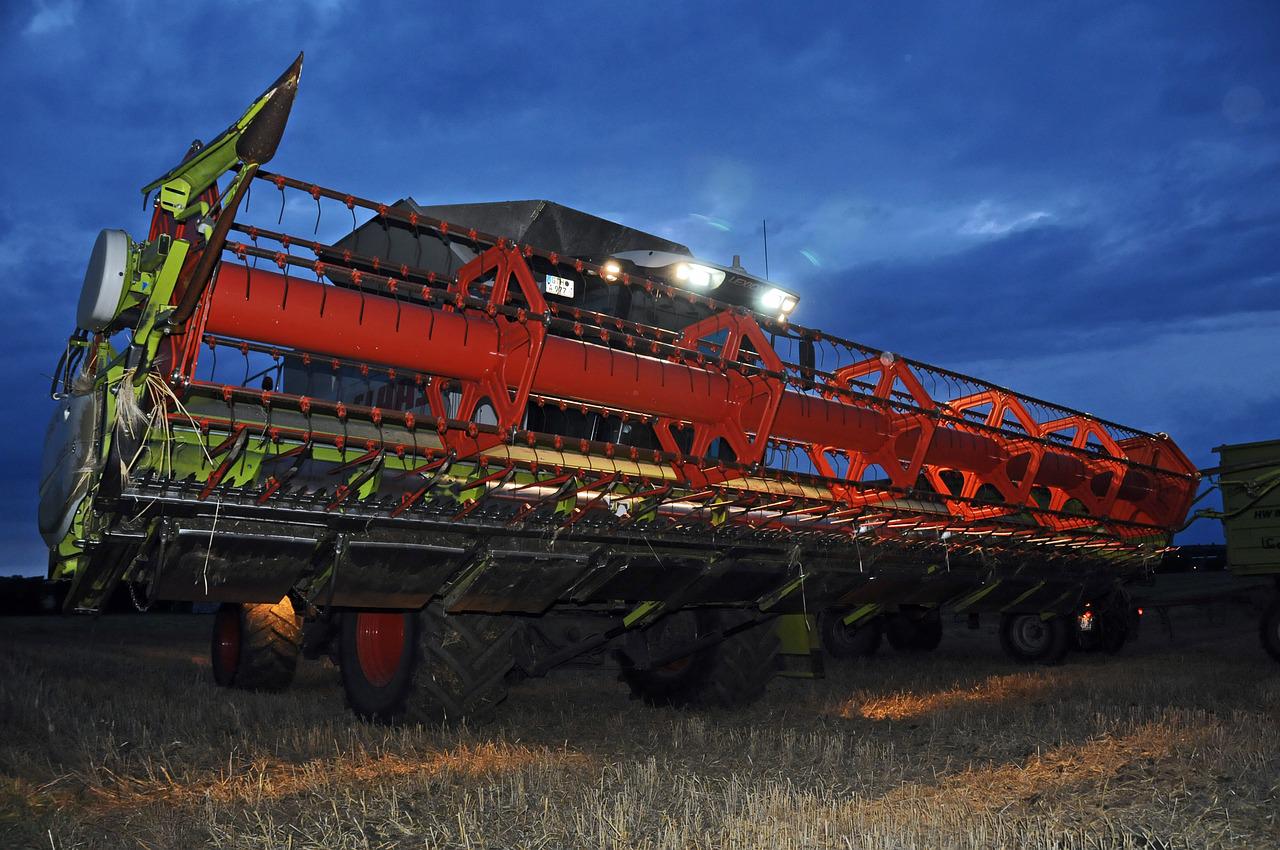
point(379, 645)
point(226, 639)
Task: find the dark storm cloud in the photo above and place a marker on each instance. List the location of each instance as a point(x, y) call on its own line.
point(1046, 288)
point(1040, 191)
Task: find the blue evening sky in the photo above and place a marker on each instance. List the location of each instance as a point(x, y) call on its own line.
point(1077, 200)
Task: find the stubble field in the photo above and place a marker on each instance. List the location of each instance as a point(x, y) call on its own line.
point(113, 735)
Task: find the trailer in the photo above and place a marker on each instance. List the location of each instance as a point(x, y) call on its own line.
point(1248, 474)
point(465, 444)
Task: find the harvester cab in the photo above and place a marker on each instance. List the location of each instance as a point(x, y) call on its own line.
point(466, 439)
point(613, 250)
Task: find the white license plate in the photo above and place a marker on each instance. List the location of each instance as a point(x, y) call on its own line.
point(562, 286)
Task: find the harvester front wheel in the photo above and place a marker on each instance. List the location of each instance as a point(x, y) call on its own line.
point(1031, 639)
point(255, 646)
point(915, 629)
point(377, 653)
point(428, 666)
point(860, 640)
point(730, 673)
point(1270, 630)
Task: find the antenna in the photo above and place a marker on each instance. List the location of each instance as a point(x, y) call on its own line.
point(764, 228)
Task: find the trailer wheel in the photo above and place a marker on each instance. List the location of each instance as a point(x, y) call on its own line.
point(860, 640)
point(255, 646)
point(1270, 629)
point(377, 653)
point(1115, 632)
point(731, 673)
point(914, 629)
point(463, 661)
point(1030, 639)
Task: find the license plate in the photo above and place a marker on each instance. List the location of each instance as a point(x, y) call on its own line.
point(562, 286)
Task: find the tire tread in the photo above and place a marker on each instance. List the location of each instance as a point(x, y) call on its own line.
point(463, 661)
point(270, 642)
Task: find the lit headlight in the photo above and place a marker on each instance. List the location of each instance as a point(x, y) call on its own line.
point(778, 301)
point(772, 299)
point(610, 270)
point(698, 275)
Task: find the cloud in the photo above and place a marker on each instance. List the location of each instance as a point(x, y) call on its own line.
point(989, 219)
point(51, 16)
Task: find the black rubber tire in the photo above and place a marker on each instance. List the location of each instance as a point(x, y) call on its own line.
point(732, 673)
point(255, 647)
point(447, 667)
point(1030, 639)
point(463, 661)
point(914, 629)
point(379, 696)
point(1269, 629)
point(1115, 632)
point(848, 642)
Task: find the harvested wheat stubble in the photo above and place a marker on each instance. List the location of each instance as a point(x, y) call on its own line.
point(114, 736)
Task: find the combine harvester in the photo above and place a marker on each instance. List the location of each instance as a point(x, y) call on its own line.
point(469, 443)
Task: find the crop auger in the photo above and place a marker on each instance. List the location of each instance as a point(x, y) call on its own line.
point(468, 443)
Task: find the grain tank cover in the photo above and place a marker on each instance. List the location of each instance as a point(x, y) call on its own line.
point(546, 224)
point(555, 227)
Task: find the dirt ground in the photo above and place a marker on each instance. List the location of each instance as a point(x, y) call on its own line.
point(113, 735)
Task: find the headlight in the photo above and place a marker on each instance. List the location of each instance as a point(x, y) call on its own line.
point(698, 275)
point(778, 301)
point(772, 299)
point(610, 270)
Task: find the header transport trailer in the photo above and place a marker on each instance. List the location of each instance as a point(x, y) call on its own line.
point(476, 440)
point(1249, 476)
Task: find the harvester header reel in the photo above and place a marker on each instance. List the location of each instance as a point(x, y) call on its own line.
point(377, 386)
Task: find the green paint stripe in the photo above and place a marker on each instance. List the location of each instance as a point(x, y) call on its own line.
point(977, 596)
point(861, 613)
point(1030, 591)
point(640, 613)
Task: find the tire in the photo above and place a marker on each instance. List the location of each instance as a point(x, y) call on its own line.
point(847, 642)
point(463, 661)
point(255, 647)
point(1115, 632)
point(732, 673)
point(377, 654)
point(1030, 639)
point(1269, 629)
point(914, 629)
point(429, 667)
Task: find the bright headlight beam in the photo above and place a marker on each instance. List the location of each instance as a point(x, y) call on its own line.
point(772, 299)
point(694, 274)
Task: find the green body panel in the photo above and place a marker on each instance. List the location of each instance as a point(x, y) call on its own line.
point(800, 656)
point(798, 634)
point(1249, 476)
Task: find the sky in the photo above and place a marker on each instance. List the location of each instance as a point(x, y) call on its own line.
point(1078, 201)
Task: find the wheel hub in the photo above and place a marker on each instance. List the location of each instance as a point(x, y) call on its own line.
point(379, 645)
point(226, 639)
point(1031, 634)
